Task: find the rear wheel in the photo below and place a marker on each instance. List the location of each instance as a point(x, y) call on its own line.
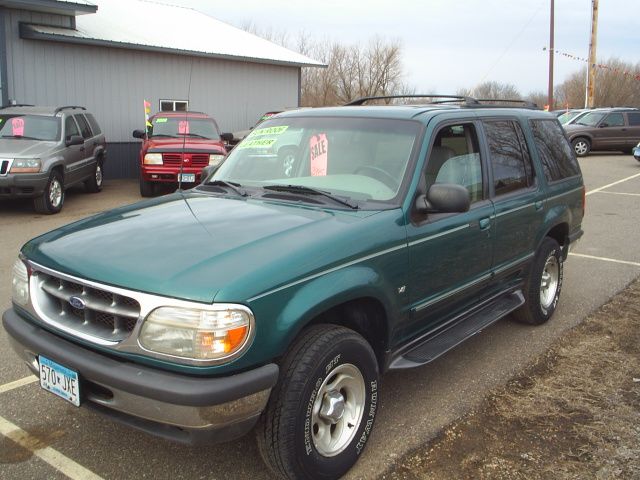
point(52, 198)
point(542, 289)
point(581, 146)
point(321, 412)
point(147, 189)
point(94, 183)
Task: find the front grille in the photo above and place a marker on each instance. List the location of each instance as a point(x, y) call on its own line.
point(5, 166)
point(105, 314)
point(200, 160)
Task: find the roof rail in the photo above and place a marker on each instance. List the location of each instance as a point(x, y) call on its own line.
point(452, 98)
point(524, 103)
point(16, 105)
point(73, 107)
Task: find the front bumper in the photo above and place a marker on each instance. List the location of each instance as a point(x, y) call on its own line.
point(23, 185)
point(187, 409)
point(636, 153)
point(151, 173)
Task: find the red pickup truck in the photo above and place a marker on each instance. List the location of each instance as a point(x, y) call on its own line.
point(176, 147)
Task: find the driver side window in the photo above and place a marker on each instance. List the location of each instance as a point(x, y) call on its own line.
point(70, 128)
point(455, 158)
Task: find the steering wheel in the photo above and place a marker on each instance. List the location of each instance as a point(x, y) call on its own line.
point(379, 174)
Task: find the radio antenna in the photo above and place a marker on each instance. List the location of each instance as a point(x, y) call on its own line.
point(184, 133)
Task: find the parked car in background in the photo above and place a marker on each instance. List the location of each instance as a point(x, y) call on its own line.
point(571, 115)
point(605, 129)
point(278, 301)
point(176, 147)
point(45, 150)
point(636, 152)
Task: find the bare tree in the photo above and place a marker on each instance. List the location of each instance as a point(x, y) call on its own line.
point(492, 90)
point(617, 85)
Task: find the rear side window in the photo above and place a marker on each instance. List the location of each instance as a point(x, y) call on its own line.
point(510, 159)
point(613, 120)
point(94, 125)
point(84, 126)
point(634, 119)
point(555, 153)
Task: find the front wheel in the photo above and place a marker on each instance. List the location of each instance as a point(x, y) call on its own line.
point(581, 146)
point(52, 198)
point(147, 189)
point(321, 412)
point(542, 289)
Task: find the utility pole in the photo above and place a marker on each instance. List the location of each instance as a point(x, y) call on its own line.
point(551, 54)
point(591, 75)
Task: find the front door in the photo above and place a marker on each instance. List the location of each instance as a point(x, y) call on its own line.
point(74, 154)
point(451, 254)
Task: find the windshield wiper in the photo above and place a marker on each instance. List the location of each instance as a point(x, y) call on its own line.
point(194, 135)
point(231, 185)
point(163, 135)
point(301, 189)
point(25, 137)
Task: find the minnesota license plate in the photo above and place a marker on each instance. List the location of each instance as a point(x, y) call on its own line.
point(188, 177)
point(59, 380)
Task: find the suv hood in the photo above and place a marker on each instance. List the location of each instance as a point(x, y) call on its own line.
point(14, 147)
point(194, 246)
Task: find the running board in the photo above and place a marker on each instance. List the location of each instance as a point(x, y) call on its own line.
point(440, 342)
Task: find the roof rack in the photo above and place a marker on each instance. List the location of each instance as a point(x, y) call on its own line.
point(452, 99)
point(16, 105)
point(73, 107)
point(524, 103)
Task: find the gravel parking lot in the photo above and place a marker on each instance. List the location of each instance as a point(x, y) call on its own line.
point(44, 437)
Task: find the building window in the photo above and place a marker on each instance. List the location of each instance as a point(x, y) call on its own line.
point(174, 105)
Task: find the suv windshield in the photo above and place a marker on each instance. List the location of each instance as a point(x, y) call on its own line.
point(30, 127)
point(590, 119)
point(180, 126)
point(357, 158)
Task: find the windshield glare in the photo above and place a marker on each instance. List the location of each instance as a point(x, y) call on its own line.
point(183, 127)
point(590, 119)
point(359, 158)
point(30, 127)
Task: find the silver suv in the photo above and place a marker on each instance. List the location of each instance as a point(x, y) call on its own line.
point(45, 150)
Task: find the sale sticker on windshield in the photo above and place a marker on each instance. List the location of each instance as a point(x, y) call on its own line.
point(319, 149)
point(183, 127)
point(268, 131)
point(17, 125)
point(160, 120)
point(257, 143)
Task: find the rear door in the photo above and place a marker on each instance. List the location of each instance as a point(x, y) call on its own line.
point(612, 132)
point(633, 129)
point(517, 195)
point(451, 254)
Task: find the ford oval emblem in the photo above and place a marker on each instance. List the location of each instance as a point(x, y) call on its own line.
point(77, 302)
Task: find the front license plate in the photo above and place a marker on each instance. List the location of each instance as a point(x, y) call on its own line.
point(188, 177)
point(59, 380)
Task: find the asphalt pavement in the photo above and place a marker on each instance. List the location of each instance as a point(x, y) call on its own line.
point(52, 439)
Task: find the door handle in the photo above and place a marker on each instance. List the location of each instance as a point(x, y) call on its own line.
point(539, 204)
point(485, 223)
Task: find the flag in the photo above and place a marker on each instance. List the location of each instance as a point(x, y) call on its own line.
point(147, 111)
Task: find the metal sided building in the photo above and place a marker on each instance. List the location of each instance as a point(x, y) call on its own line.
point(111, 55)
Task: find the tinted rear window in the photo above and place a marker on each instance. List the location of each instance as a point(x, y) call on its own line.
point(556, 155)
point(84, 126)
point(634, 119)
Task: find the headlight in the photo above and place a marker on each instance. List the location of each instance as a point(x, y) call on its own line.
point(20, 283)
point(215, 159)
point(197, 334)
point(153, 159)
point(26, 165)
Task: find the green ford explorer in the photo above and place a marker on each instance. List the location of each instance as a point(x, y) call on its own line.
point(276, 293)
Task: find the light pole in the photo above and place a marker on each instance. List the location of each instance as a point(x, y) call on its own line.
point(551, 54)
point(591, 68)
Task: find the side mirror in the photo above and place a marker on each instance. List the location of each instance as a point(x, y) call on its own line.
point(74, 140)
point(227, 137)
point(208, 172)
point(139, 134)
point(444, 198)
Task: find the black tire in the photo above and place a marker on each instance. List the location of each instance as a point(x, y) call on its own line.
point(581, 146)
point(287, 430)
point(94, 183)
point(535, 311)
point(52, 198)
point(147, 189)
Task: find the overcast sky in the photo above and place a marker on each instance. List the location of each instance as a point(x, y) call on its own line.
point(449, 44)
